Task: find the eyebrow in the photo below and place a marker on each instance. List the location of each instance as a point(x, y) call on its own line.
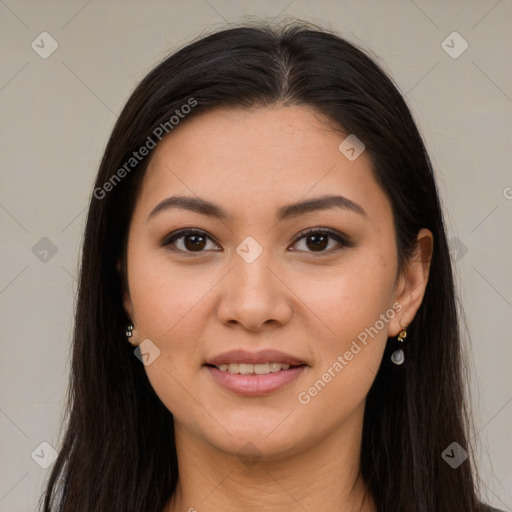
point(210, 209)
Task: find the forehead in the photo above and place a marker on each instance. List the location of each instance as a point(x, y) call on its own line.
point(243, 157)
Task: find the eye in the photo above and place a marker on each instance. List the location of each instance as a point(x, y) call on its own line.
point(189, 240)
point(317, 240)
point(196, 241)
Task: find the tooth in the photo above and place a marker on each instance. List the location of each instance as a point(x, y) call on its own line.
point(275, 367)
point(245, 368)
point(248, 369)
point(262, 369)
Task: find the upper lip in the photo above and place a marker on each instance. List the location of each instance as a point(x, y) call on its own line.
point(262, 356)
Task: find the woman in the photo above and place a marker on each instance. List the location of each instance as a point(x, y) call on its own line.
point(265, 230)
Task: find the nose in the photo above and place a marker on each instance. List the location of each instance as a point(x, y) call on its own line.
point(254, 295)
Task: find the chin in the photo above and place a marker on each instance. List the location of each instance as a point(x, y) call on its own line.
point(249, 442)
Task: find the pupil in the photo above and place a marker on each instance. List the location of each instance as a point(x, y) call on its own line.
point(318, 243)
point(194, 244)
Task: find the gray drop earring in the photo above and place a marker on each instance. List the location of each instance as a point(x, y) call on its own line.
point(398, 357)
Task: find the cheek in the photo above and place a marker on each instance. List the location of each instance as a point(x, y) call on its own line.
point(168, 302)
point(354, 305)
point(349, 298)
point(162, 293)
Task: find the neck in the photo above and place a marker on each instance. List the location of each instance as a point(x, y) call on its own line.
point(324, 476)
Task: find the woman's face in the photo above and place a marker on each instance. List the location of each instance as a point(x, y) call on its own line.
point(249, 287)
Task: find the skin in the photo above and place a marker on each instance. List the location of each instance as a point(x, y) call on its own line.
point(306, 302)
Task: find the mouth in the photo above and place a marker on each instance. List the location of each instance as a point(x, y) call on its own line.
point(254, 373)
point(254, 369)
point(243, 357)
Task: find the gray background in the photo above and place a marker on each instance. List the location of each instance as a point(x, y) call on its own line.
point(57, 113)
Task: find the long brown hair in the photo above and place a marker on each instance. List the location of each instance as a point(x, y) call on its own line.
point(118, 451)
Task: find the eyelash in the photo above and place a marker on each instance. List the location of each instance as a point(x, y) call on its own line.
point(344, 242)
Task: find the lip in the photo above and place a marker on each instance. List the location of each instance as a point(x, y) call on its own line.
point(262, 356)
point(255, 385)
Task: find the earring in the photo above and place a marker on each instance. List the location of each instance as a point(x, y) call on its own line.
point(398, 357)
point(129, 334)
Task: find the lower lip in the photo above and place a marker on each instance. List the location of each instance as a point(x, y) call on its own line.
point(255, 385)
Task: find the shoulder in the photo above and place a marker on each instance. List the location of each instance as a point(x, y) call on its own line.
point(488, 508)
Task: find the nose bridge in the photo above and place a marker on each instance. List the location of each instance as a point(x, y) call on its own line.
point(253, 294)
point(251, 274)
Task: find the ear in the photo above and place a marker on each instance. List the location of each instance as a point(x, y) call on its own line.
point(127, 302)
point(412, 282)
